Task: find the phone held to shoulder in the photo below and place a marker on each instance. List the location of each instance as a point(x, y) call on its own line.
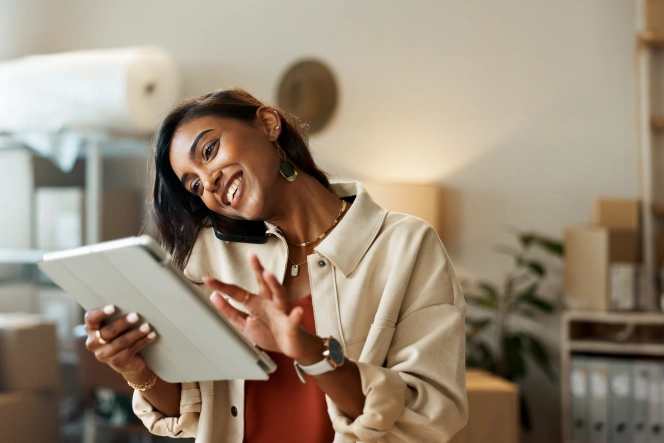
point(243, 231)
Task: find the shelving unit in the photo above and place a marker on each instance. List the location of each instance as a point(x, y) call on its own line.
point(649, 53)
point(606, 334)
point(97, 148)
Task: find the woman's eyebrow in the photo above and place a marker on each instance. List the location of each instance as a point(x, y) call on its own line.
point(192, 150)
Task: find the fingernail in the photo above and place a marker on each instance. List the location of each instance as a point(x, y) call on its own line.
point(214, 295)
point(109, 309)
point(152, 335)
point(144, 327)
point(132, 317)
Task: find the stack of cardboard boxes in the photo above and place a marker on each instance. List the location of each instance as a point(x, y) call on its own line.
point(603, 265)
point(29, 379)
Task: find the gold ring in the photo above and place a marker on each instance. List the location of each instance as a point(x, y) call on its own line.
point(246, 297)
point(99, 339)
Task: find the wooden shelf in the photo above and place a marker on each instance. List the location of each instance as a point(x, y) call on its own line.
point(650, 40)
point(615, 317)
point(598, 347)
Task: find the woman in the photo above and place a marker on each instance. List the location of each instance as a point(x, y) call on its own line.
point(360, 303)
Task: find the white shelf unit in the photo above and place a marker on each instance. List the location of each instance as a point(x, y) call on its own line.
point(607, 334)
point(96, 149)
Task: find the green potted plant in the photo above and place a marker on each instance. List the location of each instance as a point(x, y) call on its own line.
point(494, 341)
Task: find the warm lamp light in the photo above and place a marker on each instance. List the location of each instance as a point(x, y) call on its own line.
point(421, 200)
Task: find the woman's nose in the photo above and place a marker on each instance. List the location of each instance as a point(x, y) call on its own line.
point(211, 181)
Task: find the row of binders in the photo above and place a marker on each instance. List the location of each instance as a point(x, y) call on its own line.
point(616, 400)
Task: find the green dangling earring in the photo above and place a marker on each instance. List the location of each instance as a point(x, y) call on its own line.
point(285, 167)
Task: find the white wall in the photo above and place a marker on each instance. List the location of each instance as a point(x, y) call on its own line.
point(524, 110)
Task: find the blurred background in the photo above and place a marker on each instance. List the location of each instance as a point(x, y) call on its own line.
point(509, 122)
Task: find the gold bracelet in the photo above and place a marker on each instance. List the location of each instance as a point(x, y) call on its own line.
point(144, 386)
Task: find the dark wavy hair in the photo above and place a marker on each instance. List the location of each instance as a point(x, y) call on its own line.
point(176, 216)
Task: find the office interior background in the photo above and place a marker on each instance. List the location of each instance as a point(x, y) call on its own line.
point(522, 113)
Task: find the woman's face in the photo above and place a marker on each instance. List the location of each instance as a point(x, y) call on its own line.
point(233, 167)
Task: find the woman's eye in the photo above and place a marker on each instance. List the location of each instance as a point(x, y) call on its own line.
point(195, 187)
point(207, 152)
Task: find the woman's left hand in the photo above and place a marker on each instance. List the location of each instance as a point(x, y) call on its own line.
point(269, 324)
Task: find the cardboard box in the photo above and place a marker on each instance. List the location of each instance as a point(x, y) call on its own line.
point(18, 297)
point(617, 213)
point(60, 308)
point(28, 353)
point(589, 253)
point(494, 410)
point(29, 417)
point(655, 17)
point(60, 214)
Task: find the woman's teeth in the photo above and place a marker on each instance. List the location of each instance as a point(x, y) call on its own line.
point(232, 189)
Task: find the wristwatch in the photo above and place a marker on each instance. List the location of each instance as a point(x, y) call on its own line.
point(333, 357)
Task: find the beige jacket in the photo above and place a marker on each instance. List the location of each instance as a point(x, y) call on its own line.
point(383, 285)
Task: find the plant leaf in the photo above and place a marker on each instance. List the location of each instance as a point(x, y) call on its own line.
point(526, 239)
point(519, 298)
point(553, 246)
point(477, 325)
point(539, 354)
point(490, 299)
point(528, 292)
point(539, 303)
point(516, 365)
point(478, 355)
point(475, 322)
point(507, 250)
point(526, 422)
point(488, 288)
point(536, 267)
point(485, 301)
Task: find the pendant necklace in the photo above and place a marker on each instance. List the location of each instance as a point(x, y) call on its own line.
point(295, 269)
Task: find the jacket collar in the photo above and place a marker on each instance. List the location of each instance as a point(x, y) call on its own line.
point(351, 238)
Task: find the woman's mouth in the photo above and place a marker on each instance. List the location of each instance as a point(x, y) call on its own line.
point(232, 192)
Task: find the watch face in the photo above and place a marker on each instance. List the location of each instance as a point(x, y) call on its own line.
point(336, 351)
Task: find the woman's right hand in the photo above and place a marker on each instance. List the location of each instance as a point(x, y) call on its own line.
point(120, 339)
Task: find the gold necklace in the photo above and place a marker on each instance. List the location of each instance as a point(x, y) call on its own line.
point(295, 269)
point(324, 234)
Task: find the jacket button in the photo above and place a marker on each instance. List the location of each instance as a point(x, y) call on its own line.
point(322, 263)
point(233, 411)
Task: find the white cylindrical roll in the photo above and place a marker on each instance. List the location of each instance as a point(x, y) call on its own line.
point(120, 90)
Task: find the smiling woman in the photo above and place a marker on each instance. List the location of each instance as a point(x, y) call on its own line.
point(367, 328)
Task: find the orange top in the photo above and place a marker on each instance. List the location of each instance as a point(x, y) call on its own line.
point(283, 409)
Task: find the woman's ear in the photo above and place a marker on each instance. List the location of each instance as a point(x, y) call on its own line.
point(270, 121)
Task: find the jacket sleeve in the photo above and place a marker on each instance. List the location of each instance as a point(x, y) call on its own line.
point(419, 393)
point(185, 425)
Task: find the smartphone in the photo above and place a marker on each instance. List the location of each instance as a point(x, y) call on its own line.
point(244, 231)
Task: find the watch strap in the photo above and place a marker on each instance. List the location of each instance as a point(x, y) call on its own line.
point(321, 367)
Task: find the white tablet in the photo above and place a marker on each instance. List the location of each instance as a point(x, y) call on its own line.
point(194, 341)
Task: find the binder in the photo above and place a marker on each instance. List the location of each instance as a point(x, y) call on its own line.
point(598, 377)
point(578, 384)
point(640, 386)
point(621, 401)
point(655, 402)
